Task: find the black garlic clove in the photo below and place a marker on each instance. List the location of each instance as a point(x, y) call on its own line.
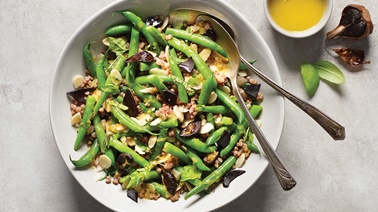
point(129, 101)
point(80, 94)
point(144, 56)
point(169, 181)
point(230, 176)
point(170, 97)
point(132, 194)
point(355, 23)
point(191, 130)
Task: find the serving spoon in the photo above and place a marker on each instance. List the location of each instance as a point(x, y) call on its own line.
point(333, 128)
point(223, 39)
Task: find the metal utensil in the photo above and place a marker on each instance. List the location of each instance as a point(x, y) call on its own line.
point(223, 38)
point(333, 128)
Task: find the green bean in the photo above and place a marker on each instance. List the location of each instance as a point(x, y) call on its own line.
point(85, 121)
point(212, 177)
point(136, 178)
point(198, 39)
point(157, 35)
point(128, 122)
point(129, 72)
point(121, 147)
point(88, 59)
point(215, 136)
point(213, 109)
point(109, 152)
point(158, 83)
point(141, 26)
point(200, 64)
point(117, 64)
point(231, 104)
point(147, 66)
point(197, 161)
point(146, 78)
point(100, 72)
point(174, 150)
point(182, 94)
point(255, 110)
point(119, 99)
point(161, 139)
point(196, 144)
point(161, 189)
point(100, 133)
point(253, 147)
point(88, 157)
point(207, 88)
point(118, 30)
point(243, 67)
point(240, 129)
point(169, 123)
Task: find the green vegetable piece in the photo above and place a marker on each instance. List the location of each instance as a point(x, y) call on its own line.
point(329, 72)
point(88, 157)
point(121, 147)
point(85, 121)
point(174, 150)
point(100, 133)
point(189, 172)
point(117, 45)
point(310, 78)
point(88, 59)
point(118, 30)
point(212, 177)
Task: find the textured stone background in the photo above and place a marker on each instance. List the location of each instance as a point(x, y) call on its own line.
point(331, 176)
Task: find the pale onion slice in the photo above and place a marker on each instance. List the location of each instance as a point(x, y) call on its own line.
point(205, 54)
point(178, 113)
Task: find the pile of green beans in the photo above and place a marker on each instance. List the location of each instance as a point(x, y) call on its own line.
point(154, 144)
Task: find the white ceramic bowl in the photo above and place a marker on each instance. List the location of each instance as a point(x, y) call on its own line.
point(304, 33)
point(71, 63)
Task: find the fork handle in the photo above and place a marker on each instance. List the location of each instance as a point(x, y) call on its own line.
point(334, 129)
point(284, 177)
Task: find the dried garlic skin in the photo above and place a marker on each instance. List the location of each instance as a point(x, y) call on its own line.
point(355, 23)
point(352, 57)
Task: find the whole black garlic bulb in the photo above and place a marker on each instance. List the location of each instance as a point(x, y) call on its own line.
point(355, 23)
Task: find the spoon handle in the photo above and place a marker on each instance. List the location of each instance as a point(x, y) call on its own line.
point(334, 129)
point(286, 180)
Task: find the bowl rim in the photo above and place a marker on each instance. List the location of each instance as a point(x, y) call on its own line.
point(305, 33)
point(101, 12)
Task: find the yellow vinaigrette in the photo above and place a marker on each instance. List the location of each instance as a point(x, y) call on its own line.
point(296, 15)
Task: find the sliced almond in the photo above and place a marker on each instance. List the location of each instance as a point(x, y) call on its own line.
point(205, 53)
point(136, 120)
point(176, 174)
point(76, 119)
point(150, 90)
point(152, 141)
point(156, 122)
point(259, 123)
point(241, 81)
point(105, 161)
point(206, 128)
point(225, 89)
point(194, 47)
point(239, 162)
point(116, 76)
point(183, 109)
point(77, 81)
point(139, 150)
point(158, 71)
point(178, 113)
point(105, 41)
point(242, 73)
point(143, 118)
point(213, 96)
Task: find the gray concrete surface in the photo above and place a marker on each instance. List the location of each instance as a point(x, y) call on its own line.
point(331, 176)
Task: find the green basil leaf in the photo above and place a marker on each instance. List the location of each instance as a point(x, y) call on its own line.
point(117, 45)
point(329, 72)
point(310, 78)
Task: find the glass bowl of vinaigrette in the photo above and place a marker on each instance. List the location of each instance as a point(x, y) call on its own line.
point(298, 18)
